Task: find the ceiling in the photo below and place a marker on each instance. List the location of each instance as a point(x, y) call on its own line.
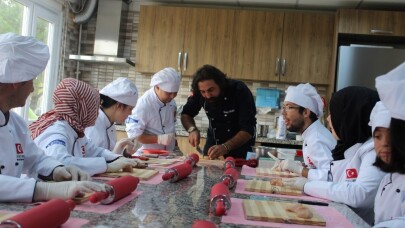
point(295, 4)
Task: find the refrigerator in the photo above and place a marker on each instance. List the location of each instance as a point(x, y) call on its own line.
point(359, 65)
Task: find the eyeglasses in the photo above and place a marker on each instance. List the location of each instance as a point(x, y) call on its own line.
point(286, 108)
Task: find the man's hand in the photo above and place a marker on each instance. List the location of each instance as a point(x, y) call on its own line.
point(292, 166)
point(122, 162)
point(194, 138)
point(217, 151)
point(166, 139)
point(65, 190)
point(296, 182)
point(65, 173)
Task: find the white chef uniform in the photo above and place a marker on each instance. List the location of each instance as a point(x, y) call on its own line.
point(318, 142)
point(103, 133)
point(354, 180)
point(151, 116)
point(61, 141)
point(316, 147)
point(19, 155)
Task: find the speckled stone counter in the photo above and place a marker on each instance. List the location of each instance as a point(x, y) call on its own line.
point(174, 204)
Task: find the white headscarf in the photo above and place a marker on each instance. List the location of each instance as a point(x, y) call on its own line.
point(167, 79)
point(379, 117)
point(22, 58)
point(305, 95)
point(122, 90)
point(391, 88)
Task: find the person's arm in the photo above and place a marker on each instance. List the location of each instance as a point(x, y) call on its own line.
point(190, 110)
point(15, 189)
point(238, 140)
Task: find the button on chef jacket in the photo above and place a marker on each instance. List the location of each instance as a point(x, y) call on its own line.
point(103, 133)
point(317, 145)
point(151, 116)
point(18, 153)
point(237, 112)
point(355, 180)
point(61, 141)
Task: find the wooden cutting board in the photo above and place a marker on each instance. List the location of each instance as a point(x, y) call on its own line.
point(269, 172)
point(266, 187)
point(4, 215)
point(271, 211)
point(143, 174)
point(159, 161)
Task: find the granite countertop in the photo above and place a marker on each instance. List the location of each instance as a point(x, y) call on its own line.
point(174, 204)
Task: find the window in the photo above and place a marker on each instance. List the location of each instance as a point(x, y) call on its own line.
point(41, 19)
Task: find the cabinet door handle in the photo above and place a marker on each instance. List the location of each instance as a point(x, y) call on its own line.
point(179, 62)
point(283, 67)
point(277, 64)
point(185, 62)
point(381, 32)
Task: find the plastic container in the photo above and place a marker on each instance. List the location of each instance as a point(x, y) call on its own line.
point(283, 153)
point(281, 128)
point(262, 151)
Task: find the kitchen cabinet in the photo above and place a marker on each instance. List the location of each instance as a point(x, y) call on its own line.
point(371, 22)
point(184, 38)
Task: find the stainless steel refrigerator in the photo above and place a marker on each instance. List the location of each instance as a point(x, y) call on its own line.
point(360, 65)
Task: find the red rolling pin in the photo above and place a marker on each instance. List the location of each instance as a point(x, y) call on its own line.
point(203, 224)
point(177, 172)
point(229, 163)
point(192, 159)
point(53, 213)
point(230, 177)
point(118, 189)
point(220, 201)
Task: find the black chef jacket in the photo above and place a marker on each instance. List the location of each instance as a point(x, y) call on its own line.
point(234, 111)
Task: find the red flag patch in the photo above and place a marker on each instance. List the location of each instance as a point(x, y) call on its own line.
point(18, 148)
point(351, 173)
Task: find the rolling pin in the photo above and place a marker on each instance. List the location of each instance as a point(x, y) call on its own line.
point(53, 213)
point(203, 224)
point(192, 159)
point(229, 163)
point(220, 201)
point(117, 189)
point(230, 177)
point(177, 172)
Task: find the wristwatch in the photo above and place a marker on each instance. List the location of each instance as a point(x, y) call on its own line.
point(191, 129)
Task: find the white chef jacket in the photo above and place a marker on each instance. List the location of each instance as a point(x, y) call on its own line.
point(19, 155)
point(354, 180)
point(151, 116)
point(317, 145)
point(389, 202)
point(103, 133)
point(61, 141)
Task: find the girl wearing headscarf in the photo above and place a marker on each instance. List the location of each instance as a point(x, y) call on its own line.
point(118, 99)
point(352, 178)
point(389, 205)
point(60, 132)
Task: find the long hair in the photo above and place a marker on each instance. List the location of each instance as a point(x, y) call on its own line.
point(208, 72)
point(397, 129)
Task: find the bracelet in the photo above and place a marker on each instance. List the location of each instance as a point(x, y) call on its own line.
point(226, 147)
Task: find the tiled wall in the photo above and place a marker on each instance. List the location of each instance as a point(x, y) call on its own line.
point(98, 75)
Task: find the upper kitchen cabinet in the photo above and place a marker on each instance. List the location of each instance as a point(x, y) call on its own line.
point(257, 45)
point(160, 38)
point(307, 48)
point(371, 22)
point(184, 38)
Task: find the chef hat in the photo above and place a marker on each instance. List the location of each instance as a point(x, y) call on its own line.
point(391, 88)
point(305, 95)
point(167, 79)
point(379, 117)
point(121, 90)
point(22, 58)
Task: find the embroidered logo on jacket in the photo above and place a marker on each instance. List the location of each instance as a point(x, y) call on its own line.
point(56, 142)
point(131, 120)
point(83, 151)
point(351, 173)
point(19, 152)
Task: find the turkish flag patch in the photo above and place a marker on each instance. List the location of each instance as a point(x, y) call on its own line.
point(18, 148)
point(351, 173)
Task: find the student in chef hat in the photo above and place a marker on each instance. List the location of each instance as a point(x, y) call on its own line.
point(301, 109)
point(117, 99)
point(153, 120)
point(389, 202)
point(22, 58)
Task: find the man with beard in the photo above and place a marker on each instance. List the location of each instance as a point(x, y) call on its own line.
point(230, 108)
point(301, 109)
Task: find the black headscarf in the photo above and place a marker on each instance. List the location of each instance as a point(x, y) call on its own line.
point(350, 110)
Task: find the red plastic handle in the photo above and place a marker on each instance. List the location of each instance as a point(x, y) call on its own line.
point(167, 176)
point(220, 208)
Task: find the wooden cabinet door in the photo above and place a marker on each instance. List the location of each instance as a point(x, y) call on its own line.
point(160, 38)
point(371, 22)
point(307, 47)
point(208, 39)
point(257, 46)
